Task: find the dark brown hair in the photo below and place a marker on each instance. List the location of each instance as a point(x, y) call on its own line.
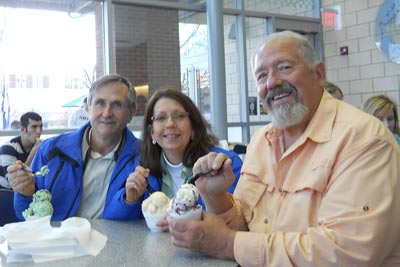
point(27, 116)
point(200, 144)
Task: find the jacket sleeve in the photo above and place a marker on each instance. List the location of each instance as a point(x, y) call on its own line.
point(134, 210)
point(236, 168)
point(236, 165)
point(116, 208)
point(21, 202)
point(122, 210)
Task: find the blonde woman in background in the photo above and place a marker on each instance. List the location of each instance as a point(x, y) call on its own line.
point(334, 90)
point(382, 107)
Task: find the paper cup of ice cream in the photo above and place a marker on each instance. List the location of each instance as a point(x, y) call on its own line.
point(152, 220)
point(40, 206)
point(194, 214)
point(154, 209)
point(31, 218)
point(184, 205)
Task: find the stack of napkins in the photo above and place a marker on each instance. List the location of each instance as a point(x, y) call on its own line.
point(37, 240)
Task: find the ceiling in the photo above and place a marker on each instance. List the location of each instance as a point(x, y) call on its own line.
point(78, 6)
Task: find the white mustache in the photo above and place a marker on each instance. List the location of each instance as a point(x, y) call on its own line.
point(274, 91)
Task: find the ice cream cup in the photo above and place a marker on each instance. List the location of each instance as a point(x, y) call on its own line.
point(151, 221)
point(194, 215)
point(35, 217)
point(31, 218)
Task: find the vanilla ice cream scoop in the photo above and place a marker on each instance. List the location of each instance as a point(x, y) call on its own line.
point(186, 200)
point(154, 209)
point(156, 203)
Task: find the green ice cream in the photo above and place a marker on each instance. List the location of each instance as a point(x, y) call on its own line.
point(41, 195)
point(40, 205)
point(43, 171)
point(42, 208)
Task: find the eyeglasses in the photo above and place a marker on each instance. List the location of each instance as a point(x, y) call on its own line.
point(163, 117)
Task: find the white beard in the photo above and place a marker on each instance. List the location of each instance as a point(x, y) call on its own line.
point(286, 114)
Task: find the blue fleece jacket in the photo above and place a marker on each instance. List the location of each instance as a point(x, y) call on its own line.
point(63, 155)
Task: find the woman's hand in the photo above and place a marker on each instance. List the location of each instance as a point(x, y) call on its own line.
point(136, 184)
point(163, 224)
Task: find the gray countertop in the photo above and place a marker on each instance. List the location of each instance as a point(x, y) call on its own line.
point(130, 243)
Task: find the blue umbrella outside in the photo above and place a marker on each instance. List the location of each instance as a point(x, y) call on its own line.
point(75, 102)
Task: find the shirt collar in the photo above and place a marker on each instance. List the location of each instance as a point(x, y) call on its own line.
point(86, 144)
point(320, 127)
point(87, 152)
point(167, 179)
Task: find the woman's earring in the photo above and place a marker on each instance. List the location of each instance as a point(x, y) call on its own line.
point(154, 141)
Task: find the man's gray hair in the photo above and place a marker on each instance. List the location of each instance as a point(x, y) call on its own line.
point(307, 51)
point(113, 78)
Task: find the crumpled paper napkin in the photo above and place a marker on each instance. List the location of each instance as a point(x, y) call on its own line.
point(37, 240)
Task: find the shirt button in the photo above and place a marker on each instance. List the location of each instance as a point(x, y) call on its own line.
point(266, 220)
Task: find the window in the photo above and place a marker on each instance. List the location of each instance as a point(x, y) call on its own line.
point(162, 47)
point(48, 58)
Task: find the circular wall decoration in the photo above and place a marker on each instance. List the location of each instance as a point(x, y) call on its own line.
point(388, 30)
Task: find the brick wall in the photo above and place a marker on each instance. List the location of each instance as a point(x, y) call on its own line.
point(147, 46)
point(365, 71)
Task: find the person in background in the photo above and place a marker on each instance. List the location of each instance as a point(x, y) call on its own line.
point(384, 108)
point(22, 147)
point(88, 166)
point(15, 125)
point(80, 116)
point(319, 184)
point(174, 135)
point(334, 90)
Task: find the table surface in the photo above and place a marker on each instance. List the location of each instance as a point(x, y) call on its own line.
point(130, 243)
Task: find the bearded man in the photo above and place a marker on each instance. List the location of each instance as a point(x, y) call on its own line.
point(319, 185)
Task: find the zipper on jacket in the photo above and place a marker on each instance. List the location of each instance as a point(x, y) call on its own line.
point(56, 175)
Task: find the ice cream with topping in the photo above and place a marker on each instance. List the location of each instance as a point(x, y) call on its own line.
point(154, 209)
point(185, 204)
point(40, 205)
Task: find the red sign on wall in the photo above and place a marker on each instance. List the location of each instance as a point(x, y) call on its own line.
point(329, 18)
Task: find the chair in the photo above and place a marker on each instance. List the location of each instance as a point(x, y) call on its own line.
point(240, 149)
point(7, 214)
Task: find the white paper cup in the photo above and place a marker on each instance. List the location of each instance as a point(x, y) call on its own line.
point(151, 221)
point(31, 218)
point(194, 215)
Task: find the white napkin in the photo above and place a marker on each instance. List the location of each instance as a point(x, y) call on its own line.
point(37, 240)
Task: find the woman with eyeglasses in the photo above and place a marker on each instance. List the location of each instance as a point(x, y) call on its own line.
point(174, 136)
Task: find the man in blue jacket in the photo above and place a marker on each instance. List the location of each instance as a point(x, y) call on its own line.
point(89, 166)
